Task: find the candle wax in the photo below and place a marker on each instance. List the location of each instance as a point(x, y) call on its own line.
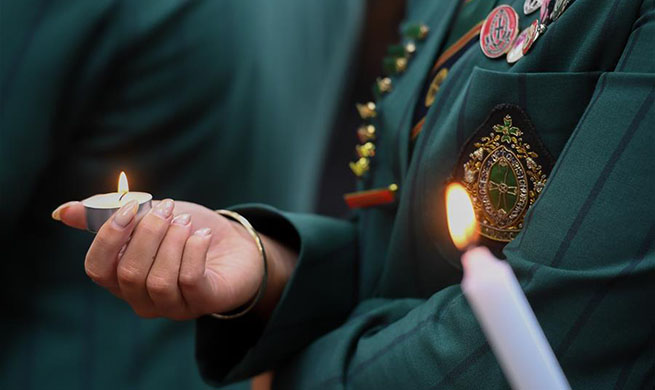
point(509, 323)
point(113, 200)
point(99, 208)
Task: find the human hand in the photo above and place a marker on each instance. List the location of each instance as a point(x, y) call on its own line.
point(180, 261)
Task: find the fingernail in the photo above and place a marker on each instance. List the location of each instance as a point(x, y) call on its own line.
point(126, 214)
point(56, 214)
point(203, 232)
point(182, 219)
point(165, 208)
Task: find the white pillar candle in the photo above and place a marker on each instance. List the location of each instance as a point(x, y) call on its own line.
point(500, 306)
point(509, 323)
point(99, 208)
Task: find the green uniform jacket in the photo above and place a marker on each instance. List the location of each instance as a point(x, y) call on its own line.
point(376, 304)
point(195, 100)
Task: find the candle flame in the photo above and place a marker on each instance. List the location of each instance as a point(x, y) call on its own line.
point(462, 223)
point(123, 187)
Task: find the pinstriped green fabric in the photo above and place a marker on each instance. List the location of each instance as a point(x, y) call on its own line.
point(197, 100)
point(585, 258)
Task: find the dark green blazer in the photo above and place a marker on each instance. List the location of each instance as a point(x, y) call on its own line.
point(376, 303)
point(196, 100)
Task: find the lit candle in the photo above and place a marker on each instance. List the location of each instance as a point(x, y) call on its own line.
point(500, 306)
point(99, 208)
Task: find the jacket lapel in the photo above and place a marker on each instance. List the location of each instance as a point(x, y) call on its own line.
point(438, 15)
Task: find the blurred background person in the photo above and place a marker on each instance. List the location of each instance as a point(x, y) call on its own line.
point(230, 101)
point(377, 303)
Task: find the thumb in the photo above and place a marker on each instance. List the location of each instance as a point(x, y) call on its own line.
point(71, 214)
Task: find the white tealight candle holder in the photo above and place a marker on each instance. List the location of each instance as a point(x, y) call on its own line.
point(99, 208)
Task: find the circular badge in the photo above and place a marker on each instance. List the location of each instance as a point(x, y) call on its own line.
point(531, 36)
point(531, 5)
point(516, 52)
point(499, 31)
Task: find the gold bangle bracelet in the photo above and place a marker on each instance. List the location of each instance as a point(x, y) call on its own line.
point(260, 246)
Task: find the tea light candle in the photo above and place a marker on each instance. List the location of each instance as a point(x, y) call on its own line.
point(500, 306)
point(99, 208)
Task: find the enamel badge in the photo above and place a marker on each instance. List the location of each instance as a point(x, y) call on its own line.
point(504, 166)
point(516, 52)
point(499, 31)
point(530, 6)
point(559, 8)
point(523, 43)
point(532, 33)
point(547, 7)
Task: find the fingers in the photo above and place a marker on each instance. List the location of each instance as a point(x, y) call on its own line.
point(139, 256)
point(196, 287)
point(71, 214)
point(156, 264)
point(102, 257)
point(162, 281)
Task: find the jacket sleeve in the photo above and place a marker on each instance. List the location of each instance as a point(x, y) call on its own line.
point(585, 259)
point(317, 298)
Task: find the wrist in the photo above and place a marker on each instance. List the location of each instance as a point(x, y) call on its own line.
point(281, 260)
point(277, 259)
point(281, 263)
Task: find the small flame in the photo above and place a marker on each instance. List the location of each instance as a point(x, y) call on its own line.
point(123, 187)
point(461, 217)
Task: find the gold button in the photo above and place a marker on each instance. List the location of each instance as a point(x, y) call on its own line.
point(366, 133)
point(360, 167)
point(410, 48)
point(366, 111)
point(384, 85)
point(423, 31)
point(401, 64)
point(366, 150)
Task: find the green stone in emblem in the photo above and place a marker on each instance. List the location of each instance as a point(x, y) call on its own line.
point(502, 186)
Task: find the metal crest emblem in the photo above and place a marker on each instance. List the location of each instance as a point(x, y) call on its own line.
point(498, 31)
point(504, 166)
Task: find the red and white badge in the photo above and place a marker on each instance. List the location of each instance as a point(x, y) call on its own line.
point(532, 35)
point(523, 42)
point(516, 52)
point(499, 31)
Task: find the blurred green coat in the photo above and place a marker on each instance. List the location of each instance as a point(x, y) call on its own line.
point(376, 304)
point(195, 100)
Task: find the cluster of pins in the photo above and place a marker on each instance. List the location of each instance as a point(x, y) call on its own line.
point(395, 63)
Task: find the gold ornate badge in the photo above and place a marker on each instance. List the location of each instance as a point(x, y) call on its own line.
point(504, 172)
point(435, 85)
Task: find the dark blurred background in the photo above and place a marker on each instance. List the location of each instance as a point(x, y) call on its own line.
point(215, 102)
